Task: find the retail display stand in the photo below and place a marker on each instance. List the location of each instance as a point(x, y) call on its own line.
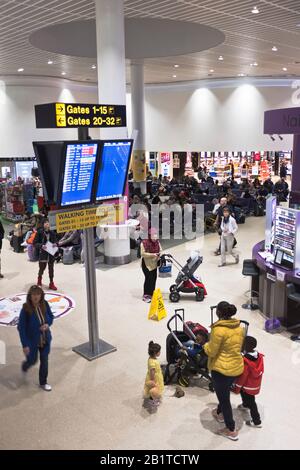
point(287, 235)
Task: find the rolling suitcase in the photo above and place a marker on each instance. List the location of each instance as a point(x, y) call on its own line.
point(32, 253)
point(244, 324)
point(68, 255)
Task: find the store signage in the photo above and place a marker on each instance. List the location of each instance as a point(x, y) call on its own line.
point(271, 277)
point(282, 121)
point(165, 159)
point(80, 219)
point(280, 275)
point(67, 115)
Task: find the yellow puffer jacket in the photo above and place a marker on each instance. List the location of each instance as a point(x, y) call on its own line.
point(224, 348)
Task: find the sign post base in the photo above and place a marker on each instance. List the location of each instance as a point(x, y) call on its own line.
point(102, 349)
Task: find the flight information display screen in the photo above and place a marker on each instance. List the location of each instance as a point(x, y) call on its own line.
point(79, 171)
point(115, 160)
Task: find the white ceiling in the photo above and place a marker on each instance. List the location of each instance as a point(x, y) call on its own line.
point(249, 38)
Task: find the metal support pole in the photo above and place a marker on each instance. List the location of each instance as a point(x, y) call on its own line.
point(95, 347)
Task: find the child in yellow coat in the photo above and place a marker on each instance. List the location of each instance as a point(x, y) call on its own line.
point(154, 383)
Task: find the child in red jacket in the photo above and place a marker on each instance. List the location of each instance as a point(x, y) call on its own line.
point(249, 383)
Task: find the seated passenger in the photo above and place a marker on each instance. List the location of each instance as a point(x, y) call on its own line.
point(71, 238)
point(191, 347)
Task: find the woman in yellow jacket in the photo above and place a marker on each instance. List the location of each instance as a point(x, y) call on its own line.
point(225, 362)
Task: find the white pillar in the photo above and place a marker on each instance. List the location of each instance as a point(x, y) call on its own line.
point(138, 122)
point(138, 102)
point(111, 63)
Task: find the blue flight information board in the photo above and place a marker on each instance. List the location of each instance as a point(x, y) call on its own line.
point(79, 173)
point(114, 168)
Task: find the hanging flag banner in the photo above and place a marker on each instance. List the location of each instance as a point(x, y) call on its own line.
point(139, 165)
point(157, 308)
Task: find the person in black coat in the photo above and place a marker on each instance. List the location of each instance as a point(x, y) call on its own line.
point(34, 329)
point(283, 170)
point(268, 185)
point(281, 189)
point(1, 238)
point(45, 235)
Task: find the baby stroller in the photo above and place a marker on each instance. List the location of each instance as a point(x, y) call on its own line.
point(180, 366)
point(186, 282)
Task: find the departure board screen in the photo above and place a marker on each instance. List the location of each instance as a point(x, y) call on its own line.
point(115, 160)
point(80, 165)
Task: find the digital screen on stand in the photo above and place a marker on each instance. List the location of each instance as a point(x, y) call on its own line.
point(115, 160)
point(79, 171)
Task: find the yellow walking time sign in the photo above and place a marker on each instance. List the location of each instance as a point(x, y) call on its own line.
point(157, 308)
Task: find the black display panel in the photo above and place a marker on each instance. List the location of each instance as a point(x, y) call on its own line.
point(78, 173)
point(113, 170)
point(284, 259)
point(49, 156)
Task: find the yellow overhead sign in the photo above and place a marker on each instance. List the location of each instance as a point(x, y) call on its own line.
point(80, 219)
point(57, 115)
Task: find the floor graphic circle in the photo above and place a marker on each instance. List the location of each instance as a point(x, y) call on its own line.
point(11, 306)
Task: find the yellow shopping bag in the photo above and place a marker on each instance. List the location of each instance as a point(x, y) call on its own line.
point(157, 308)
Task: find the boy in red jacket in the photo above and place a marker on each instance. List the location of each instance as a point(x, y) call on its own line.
point(249, 383)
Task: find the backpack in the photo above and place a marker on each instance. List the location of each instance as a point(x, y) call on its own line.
point(259, 210)
point(239, 215)
point(31, 239)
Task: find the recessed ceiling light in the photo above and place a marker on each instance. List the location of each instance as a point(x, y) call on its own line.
point(211, 70)
point(21, 69)
point(221, 57)
point(176, 66)
point(174, 76)
point(50, 62)
point(284, 69)
point(94, 66)
point(63, 73)
point(255, 10)
point(241, 75)
point(274, 49)
point(255, 64)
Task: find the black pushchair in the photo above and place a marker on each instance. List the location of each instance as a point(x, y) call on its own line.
point(180, 366)
point(186, 281)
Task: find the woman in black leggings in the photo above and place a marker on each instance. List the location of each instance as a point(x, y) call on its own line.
point(150, 253)
point(226, 363)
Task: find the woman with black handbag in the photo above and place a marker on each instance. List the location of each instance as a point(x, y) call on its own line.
point(150, 254)
point(35, 335)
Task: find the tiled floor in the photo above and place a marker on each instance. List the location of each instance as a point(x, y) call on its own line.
point(97, 405)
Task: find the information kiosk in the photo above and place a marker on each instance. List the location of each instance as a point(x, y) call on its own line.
point(77, 177)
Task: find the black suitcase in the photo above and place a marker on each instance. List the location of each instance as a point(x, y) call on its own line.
point(16, 244)
point(259, 211)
